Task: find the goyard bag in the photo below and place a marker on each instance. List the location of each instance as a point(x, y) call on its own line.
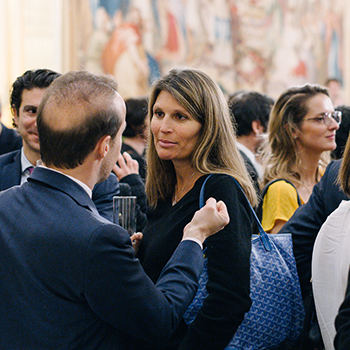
point(276, 316)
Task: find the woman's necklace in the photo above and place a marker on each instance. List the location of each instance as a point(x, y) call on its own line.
point(310, 184)
point(175, 196)
point(307, 188)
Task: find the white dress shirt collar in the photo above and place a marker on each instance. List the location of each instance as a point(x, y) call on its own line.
point(82, 184)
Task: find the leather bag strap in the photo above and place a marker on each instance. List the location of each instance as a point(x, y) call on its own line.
point(263, 235)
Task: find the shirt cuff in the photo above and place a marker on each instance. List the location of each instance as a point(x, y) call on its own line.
point(194, 240)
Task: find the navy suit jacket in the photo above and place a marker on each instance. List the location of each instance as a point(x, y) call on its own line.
point(102, 194)
point(252, 171)
point(10, 140)
point(308, 219)
point(70, 279)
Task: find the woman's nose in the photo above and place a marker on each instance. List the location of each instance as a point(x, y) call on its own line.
point(334, 125)
point(165, 125)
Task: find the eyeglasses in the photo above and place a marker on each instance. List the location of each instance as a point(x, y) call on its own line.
point(327, 117)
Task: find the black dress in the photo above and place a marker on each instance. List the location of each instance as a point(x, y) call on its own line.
point(228, 255)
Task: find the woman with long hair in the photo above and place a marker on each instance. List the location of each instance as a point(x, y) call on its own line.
point(191, 136)
point(301, 133)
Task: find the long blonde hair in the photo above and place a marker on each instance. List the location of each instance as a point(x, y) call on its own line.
point(279, 156)
point(216, 150)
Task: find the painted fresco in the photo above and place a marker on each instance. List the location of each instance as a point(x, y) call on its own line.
point(265, 45)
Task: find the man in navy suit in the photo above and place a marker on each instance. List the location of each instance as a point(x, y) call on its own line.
point(69, 278)
point(304, 226)
point(250, 113)
point(9, 138)
point(308, 219)
point(15, 167)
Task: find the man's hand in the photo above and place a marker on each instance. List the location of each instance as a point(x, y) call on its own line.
point(136, 239)
point(126, 166)
point(210, 219)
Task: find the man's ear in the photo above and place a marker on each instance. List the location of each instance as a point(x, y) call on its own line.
point(103, 146)
point(15, 117)
point(258, 129)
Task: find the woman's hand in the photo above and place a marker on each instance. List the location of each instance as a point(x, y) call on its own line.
point(126, 165)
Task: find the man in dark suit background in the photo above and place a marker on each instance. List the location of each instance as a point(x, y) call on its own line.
point(15, 167)
point(250, 113)
point(69, 278)
point(308, 219)
point(9, 138)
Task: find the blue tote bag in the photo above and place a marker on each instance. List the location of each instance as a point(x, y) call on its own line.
point(276, 315)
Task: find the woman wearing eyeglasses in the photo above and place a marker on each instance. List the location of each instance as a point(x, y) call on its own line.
point(301, 134)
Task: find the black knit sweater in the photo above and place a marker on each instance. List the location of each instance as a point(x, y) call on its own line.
point(228, 255)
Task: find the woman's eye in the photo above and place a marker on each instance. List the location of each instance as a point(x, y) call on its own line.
point(158, 114)
point(181, 116)
point(319, 119)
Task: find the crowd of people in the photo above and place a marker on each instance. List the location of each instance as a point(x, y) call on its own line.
point(72, 279)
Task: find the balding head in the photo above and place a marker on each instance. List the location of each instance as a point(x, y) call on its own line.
point(77, 110)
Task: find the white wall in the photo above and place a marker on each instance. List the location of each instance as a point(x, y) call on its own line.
point(30, 38)
point(346, 39)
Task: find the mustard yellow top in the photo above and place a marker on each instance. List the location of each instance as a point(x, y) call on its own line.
point(280, 203)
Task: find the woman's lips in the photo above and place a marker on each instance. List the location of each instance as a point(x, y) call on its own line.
point(166, 143)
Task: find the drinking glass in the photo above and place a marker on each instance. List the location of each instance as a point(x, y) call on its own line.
point(124, 212)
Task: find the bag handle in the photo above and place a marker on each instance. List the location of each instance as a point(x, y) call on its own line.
point(259, 210)
point(276, 180)
point(263, 235)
